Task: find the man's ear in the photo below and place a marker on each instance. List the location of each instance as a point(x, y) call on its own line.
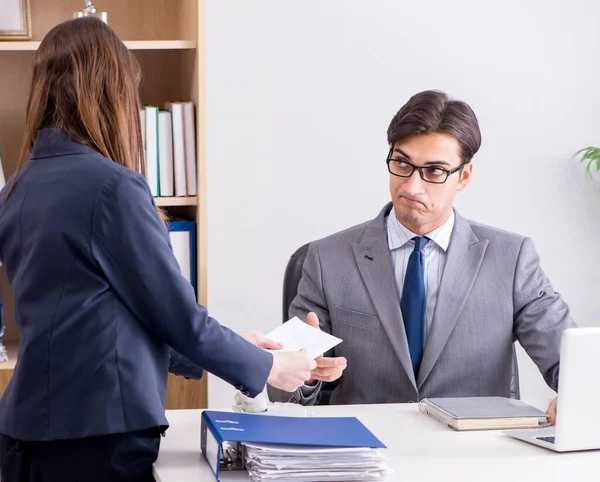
point(465, 177)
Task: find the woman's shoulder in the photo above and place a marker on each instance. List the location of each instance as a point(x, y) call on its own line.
point(98, 172)
point(55, 152)
point(122, 185)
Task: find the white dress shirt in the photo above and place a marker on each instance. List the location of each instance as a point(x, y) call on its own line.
point(401, 244)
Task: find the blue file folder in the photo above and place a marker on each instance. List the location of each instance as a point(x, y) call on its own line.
point(220, 427)
point(186, 252)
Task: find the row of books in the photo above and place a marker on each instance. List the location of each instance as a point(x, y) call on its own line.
point(169, 137)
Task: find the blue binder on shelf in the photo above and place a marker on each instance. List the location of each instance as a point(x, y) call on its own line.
point(218, 428)
point(182, 235)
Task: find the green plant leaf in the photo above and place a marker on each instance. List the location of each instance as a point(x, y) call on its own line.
point(591, 157)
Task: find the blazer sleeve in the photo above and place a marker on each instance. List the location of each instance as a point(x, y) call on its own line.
point(130, 243)
point(540, 314)
point(310, 297)
point(181, 366)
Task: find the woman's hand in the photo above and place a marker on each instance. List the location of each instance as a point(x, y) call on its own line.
point(258, 339)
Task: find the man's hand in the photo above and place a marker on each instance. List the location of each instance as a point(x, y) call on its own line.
point(328, 369)
point(552, 411)
point(290, 369)
point(258, 339)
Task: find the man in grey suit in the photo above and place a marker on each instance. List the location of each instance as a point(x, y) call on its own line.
point(427, 303)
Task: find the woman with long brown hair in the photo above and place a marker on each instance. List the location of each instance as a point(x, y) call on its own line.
point(100, 302)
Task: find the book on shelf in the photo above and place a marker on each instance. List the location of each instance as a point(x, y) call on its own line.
point(151, 147)
point(189, 133)
point(169, 137)
point(165, 154)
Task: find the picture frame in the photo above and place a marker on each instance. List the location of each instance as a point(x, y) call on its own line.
point(15, 21)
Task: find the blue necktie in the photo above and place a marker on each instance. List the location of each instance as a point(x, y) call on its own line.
point(412, 302)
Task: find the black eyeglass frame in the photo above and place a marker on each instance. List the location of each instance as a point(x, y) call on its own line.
point(448, 172)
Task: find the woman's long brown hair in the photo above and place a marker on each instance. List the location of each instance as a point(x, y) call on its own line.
point(85, 84)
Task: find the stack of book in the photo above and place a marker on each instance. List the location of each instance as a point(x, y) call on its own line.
point(169, 137)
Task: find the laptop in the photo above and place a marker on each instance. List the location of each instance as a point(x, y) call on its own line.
point(578, 415)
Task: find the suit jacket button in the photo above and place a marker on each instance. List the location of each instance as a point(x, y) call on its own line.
point(239, 387)
point(246, 393)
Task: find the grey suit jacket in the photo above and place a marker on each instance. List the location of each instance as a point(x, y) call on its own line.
point(492, 292)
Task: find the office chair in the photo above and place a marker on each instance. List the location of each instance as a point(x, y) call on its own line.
point(291, 279)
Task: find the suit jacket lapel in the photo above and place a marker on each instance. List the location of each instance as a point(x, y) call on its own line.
point(374, 262)
point(463, 260)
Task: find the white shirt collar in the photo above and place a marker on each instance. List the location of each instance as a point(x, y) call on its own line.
point(399, 235)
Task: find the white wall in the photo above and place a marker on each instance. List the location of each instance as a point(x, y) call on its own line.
point(300, 95)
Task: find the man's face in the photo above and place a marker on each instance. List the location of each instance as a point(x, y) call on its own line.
point(419, 205)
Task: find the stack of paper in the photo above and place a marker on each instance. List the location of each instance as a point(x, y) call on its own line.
point(308, 464)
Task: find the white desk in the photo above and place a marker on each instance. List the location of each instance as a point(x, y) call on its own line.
point(419, 450)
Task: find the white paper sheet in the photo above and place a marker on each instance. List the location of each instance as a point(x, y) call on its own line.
point(295, 335)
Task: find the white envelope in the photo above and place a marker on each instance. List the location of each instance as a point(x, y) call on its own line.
point(295, 335)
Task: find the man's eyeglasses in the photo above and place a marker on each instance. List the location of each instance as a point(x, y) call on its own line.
point(433, 174)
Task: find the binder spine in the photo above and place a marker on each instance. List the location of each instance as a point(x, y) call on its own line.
point(203, 436)
point(436, 412)
point(212, 454)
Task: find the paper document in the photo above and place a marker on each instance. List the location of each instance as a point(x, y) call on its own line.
point(318, 464)
point(295, 335)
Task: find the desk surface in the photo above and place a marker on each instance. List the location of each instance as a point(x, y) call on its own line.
point(419, 450)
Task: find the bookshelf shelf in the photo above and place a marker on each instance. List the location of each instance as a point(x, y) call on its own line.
point(19, 46)
point(132, 45)
point(161, 44)
point(176, 201)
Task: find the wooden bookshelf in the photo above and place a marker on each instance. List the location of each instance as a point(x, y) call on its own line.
point(168, 39)
point(176, 201)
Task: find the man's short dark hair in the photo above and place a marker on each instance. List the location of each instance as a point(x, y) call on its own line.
point(432, 112)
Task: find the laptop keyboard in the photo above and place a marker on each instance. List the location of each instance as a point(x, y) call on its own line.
point(550, 440)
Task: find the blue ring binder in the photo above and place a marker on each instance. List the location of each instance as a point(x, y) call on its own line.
point(219, 428)
point(188, 226)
